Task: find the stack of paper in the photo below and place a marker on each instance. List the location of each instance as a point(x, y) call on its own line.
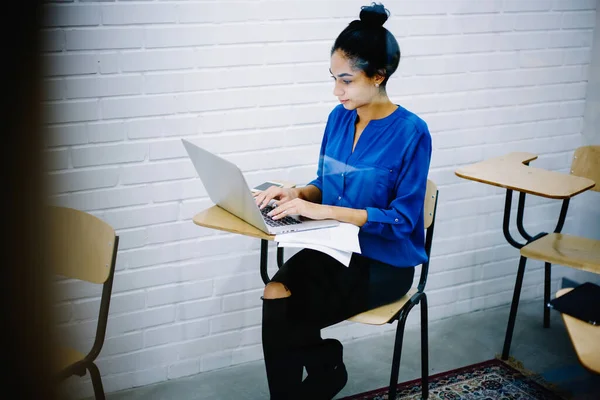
point(338, 241)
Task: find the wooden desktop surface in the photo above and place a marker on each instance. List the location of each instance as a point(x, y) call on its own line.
point(217, 218)
point(585, 338)
point(510, 172)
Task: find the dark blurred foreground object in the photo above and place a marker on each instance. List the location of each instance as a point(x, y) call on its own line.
point(26, 312)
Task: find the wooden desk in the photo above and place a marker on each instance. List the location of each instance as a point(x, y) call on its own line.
point(585, 338)
point(217, 218)
point(512, 172)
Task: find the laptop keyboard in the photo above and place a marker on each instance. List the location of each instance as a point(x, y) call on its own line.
point(279, 222)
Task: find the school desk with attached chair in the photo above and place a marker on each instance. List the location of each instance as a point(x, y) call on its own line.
point(217, 218)
point(513, 172)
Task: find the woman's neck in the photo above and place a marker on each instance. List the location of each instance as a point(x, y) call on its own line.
point(379, 108)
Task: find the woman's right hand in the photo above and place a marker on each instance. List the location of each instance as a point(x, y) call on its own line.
point(281, 195)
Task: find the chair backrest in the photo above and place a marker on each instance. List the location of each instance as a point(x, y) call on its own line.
point(430, 203)
point(429, 212)
point(80, 245)
point(84, 247)
point(586, 163)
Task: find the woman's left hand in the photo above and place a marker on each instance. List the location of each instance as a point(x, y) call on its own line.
point(301, 207)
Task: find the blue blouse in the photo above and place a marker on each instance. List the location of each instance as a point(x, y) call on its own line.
point(386, 175)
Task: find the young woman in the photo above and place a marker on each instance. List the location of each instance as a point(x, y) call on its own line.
point(372, 172)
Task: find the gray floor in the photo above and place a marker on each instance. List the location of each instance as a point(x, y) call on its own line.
point(453, 342)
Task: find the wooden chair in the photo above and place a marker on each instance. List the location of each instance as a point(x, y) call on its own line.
point(400, 309)
point(83, 247)
point(585, 338)
point(557, 248)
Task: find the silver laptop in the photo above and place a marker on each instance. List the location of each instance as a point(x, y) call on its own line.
point(227, 188)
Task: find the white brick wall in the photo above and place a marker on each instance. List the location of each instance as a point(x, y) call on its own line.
point(124, 82)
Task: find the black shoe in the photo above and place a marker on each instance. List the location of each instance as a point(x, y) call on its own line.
point(327, 374)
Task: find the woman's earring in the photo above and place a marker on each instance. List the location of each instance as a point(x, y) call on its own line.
point(377, 85)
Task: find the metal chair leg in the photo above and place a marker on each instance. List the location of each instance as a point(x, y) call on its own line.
point(264, 253)
point(396, 356)
point(547, 281)
point(424, 349)
point(279, 257)
point(96, 381)
point(513, 308)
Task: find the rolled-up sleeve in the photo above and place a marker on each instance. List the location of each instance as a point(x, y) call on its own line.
point(401, 217)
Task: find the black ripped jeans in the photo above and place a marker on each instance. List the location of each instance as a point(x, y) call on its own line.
point(324, 292)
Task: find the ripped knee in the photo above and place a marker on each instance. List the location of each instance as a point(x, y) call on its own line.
point(276, 290)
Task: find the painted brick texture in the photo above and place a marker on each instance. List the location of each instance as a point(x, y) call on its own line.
point(248, 79)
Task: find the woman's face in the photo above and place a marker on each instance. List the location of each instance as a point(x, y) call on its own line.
point(352, 87)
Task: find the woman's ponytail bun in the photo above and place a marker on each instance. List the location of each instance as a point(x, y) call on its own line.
point(374, 15)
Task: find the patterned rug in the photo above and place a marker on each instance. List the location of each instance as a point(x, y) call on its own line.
point(489, 380)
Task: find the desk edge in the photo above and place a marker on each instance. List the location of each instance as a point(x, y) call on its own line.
point(546, 195)
point(260, 235)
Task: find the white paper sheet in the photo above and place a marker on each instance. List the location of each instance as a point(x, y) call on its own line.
point(338, 241)
point(342, 256)
point(341, 237)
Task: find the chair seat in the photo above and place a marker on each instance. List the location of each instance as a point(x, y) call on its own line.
point(67, 356)
point(570, 251)
point(585, 338)
point(382, 315)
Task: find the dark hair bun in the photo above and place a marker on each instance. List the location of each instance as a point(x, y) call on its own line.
point(374, 15)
